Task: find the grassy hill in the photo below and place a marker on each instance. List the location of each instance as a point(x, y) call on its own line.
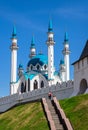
point(76, 109)
point(31, 117)
point(24, 117)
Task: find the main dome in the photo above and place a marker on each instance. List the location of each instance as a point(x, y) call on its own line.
point(40, 59)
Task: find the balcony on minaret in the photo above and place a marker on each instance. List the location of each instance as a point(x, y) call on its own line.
point(14, 40)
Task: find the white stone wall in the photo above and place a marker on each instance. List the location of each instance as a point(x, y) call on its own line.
point(61, 91)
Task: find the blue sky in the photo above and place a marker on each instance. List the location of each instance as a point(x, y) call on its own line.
point(32, 17)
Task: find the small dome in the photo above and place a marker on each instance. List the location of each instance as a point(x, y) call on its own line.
point(61, 62)
point(38, 59)
point(20, 66)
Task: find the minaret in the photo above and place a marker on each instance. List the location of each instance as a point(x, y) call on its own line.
point(62, 70)
point(50, 42)
point(66, 53)
point(14, 49)
point(32, 48)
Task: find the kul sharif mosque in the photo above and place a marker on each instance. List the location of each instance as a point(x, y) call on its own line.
point(40, 68)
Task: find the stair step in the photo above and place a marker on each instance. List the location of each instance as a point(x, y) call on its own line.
point(54, 115)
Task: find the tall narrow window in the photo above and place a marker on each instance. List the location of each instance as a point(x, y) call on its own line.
point(22, 88)
point(42, 84)
point(35, 84)
point(28, 84)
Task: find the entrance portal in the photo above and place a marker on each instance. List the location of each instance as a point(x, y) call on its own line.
point(83, 86)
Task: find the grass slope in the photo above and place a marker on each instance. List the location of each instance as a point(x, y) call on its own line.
point(76, 109)
point(24, 117)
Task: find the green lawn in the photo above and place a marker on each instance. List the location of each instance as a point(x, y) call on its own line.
point(31, 117)
point(76, 109)
point(24, 117)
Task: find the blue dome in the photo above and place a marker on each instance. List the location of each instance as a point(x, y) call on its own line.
point(20, 66)
point(38, 59)
point(61, 62)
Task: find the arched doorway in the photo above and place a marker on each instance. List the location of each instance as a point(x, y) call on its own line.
point(42, 84)
point(23, 88)
point(35, 84)
point(83, 86)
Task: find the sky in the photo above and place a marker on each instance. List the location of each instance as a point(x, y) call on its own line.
point(31, 17)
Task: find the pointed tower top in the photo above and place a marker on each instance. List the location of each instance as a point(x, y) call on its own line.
point(50, 27)
point(20, 66)
point(61, 62)
point(32, 42)
point(14, 32)
point(66, 37)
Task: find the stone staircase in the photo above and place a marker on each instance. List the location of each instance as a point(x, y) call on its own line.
point(54, 115)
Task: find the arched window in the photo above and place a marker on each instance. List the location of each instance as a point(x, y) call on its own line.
point(28, 84)
point(23, 88)
point(83, 86)
point(42, 84)
point(31, 67)
point(45, 67)
point(38, 67)
point(35, 84)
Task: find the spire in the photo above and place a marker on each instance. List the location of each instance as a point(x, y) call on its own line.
point(66, 37)
point(32, 42)
point(32, 48)
point(14, 32)
point(50, 28)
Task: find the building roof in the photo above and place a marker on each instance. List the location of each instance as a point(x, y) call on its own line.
point(32, 42)
point(61, 62)
point(38, 59)
point(85, 51)
point(14, 32)
point(20, 66)
point(50, 27)
point(66, 37)
point(29, 76)
point(83, 54)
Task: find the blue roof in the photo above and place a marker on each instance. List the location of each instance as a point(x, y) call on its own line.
point(14, 32)
point(32, 42)
point(50, 27)
point(46, 76)
point(66, 37)
point(20, 66)
point(38, 59)
point(61, 62)
point(30, 76)
point(56, 73)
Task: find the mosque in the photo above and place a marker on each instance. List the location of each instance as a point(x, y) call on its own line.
point(41, 77)
point(40, 71)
